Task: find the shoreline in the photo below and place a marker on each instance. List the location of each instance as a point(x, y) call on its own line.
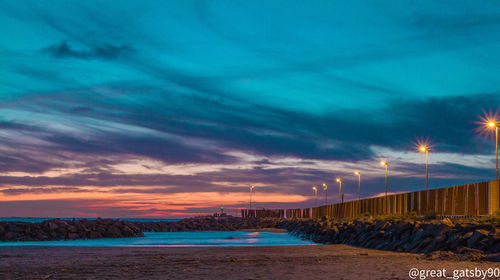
point(479, 238)
point(265, 262)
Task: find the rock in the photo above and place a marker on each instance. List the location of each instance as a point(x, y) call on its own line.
point(52, 226)
point(12, 227)
point(476, 236)
point(381, 225)
point(462, 240)
point(11, 236)
point(437, 230)
point(95, 234)
point(448, 222)
point(401, 227)
point(72, 229)
point(494, 237)
point(113, 231)
point(493, 257)
point(73, 236)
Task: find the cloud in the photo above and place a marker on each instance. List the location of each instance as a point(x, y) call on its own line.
point(281, 100)
point(200, 129)
point(104, 51)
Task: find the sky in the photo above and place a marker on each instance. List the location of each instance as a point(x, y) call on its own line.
point(174, 108)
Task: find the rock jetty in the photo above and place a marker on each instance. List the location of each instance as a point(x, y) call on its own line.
point(201, 223)
point(406, 235)
point(57, 229)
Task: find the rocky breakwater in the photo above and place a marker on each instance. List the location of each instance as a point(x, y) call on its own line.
point(203, 223)
point(406, 235)
point(57, 229)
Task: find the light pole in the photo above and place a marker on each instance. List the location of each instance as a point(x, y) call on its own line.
point(386, 171)
point(495, 125)
point(359, 184)
point(315, 189)
point(425, 150)
point(341, 196)
point(325, 188)
point(251, 189)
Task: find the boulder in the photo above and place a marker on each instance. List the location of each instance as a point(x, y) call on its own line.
point(12, 227)
point(95, 234)
point(448, 222)
point(476, 236)
point(438, 229)
point(493, 257)
point(52, 226)
point(494, 237)
point(73, 236)
point(402, 227)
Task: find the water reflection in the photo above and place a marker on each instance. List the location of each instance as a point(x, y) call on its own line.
point(180, 239)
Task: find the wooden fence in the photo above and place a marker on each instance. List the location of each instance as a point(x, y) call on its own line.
point(263, 213)
point(467, 200)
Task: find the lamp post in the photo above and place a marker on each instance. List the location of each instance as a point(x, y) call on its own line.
point(386, 171)
point(425, 150)
point(495, 125)
point(359, 184)
point(325, 188)
point(251, 189)
point(341, 196)
point(315, 189)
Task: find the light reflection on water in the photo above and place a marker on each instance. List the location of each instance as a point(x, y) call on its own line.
point(180, 239)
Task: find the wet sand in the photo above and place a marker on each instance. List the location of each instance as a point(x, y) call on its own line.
point(273, 262)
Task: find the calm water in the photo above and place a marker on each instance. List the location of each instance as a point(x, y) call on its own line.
point(180, 239)
point(39, 220)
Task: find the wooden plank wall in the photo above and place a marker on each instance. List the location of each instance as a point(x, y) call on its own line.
point(471, 200)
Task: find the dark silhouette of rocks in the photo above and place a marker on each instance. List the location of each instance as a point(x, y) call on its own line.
point(407, 235)
point(205, 223)
point(57, 229)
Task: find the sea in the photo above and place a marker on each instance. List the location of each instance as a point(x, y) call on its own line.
point(170, 239)
point(179, 239)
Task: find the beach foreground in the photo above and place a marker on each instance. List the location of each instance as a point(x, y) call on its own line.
point(270, 262)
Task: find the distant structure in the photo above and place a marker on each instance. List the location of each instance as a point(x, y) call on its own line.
point(221, 214)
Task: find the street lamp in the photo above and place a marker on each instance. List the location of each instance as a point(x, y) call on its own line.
point(386, 165)
point(425, 150)
point(359, 183)
point(386, 170)
point(493, 124)
point(325, 188)
point(251, 189)
point(315, 189)
point(341, 196)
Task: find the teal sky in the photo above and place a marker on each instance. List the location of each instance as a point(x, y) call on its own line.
point(281, 94)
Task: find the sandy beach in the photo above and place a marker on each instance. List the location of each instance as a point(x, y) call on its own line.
point(273, 262)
